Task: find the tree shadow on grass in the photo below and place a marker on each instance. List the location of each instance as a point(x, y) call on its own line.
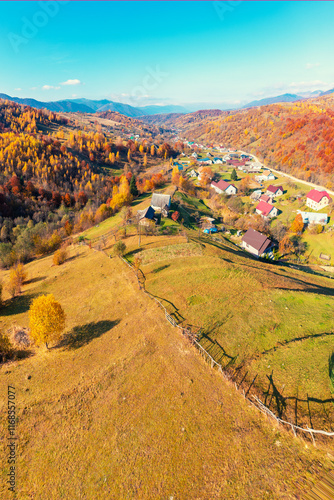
point(83, 334)
point(17, 305)
point(161, 268)
point(35, 280)
point(15, 355)
point(73, 257)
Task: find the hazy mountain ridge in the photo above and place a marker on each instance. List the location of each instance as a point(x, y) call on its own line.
point(83, 105)
point(92, 106)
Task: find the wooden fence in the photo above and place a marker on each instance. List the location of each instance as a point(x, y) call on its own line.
point(253, 400)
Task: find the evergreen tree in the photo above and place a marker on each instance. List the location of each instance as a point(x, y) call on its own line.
point(234, 176)
point(133, 186)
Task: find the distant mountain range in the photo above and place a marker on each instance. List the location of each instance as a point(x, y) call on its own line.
point(91, 106)
point(331, 91)
point(287, 98)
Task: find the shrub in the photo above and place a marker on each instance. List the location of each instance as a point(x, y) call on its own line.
point(119, 248)
point(5, 347)
point(175, 216)
point(20, 337)
point(60, 256)
point(315, 228)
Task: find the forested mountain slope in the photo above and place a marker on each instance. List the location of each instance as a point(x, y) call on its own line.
point(297, 138)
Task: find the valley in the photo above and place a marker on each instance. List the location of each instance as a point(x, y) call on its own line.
point(131, 399)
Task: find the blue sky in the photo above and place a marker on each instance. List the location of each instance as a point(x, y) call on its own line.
point(165, 52)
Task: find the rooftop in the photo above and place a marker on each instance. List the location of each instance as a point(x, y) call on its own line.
point(256, 240)
point(317, 196)
point(264, 207)
point(160, 200)
point(223, 185)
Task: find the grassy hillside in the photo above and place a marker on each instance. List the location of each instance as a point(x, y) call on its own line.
point(125, 407)
point(264, 320)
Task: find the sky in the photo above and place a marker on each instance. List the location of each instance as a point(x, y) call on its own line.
point(173, 52)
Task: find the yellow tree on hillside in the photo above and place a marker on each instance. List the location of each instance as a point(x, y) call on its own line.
point(46, 319)
point(17, 277)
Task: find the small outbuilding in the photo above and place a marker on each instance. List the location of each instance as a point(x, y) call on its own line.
point(146, 217)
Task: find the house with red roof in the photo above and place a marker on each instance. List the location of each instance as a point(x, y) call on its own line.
point(317, 199)
point(237, 163)
point(224, 187)
point(273, 191)
point(256, 243)
point(265, 198)
point(266, 210)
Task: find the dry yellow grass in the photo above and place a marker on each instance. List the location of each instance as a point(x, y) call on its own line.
point(126, 409)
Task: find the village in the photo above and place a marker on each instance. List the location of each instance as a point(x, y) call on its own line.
point(275, 198)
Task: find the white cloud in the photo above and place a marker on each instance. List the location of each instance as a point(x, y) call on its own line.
point(50, 87)
point(315, 84)
point(312, 65)
point(18, 89)
point(71, 82)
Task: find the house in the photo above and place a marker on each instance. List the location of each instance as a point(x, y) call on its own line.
point(205, 161)
point(237, 163)
point(317, 199)
point(265, 176)
point(193, 173)
point(256, 195)
point(146, 217)
point(251, 168)
point(266, 210)
point(256, 243)
point(273, 191)
point(223, 187)
point(207, 223)
point(217, 160)
point(194, 155)
point(256, 165)
point(313, 218)
point(161, 203)
point(265, 198)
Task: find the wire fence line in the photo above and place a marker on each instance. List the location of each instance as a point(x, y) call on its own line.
point(253, 399)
